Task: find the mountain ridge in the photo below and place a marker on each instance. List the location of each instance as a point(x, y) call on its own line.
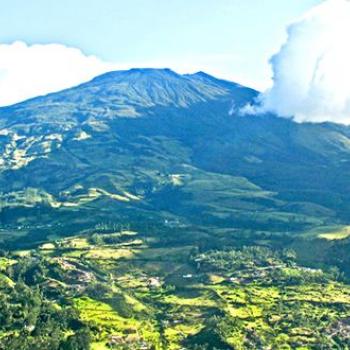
point(141, 79)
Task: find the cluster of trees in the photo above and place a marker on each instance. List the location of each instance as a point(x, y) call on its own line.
point(29, 320)
point(100, 239)
point(234, 259)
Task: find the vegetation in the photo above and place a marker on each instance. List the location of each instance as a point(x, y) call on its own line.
point(67, 296)
point(140, 211)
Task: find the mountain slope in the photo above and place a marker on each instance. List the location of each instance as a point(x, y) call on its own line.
point(152, 148)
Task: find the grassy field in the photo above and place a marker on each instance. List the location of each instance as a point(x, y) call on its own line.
point(328, 232)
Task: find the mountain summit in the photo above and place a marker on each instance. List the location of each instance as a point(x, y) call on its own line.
point(131, 93)
point(149, 87)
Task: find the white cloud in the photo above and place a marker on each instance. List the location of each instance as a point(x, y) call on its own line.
point(311, 72)
point(28, 71)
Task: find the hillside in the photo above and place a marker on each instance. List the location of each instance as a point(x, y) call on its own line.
point(141, 210)
point(154, 146)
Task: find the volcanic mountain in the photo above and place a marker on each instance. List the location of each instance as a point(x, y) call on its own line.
point(169, 154)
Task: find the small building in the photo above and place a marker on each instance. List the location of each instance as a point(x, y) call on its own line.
point(154, 282)
point(234, 280)
point(115, 340)
point(143, 345)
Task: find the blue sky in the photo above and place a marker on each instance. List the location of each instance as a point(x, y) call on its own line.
point(232, 39)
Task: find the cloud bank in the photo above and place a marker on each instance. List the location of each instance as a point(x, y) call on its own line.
point(30, 70)
point(311, 72)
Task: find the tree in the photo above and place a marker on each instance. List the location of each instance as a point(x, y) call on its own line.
point(79, 341)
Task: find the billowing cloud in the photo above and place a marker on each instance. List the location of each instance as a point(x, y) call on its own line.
point(311, 72)
point(30, 70)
